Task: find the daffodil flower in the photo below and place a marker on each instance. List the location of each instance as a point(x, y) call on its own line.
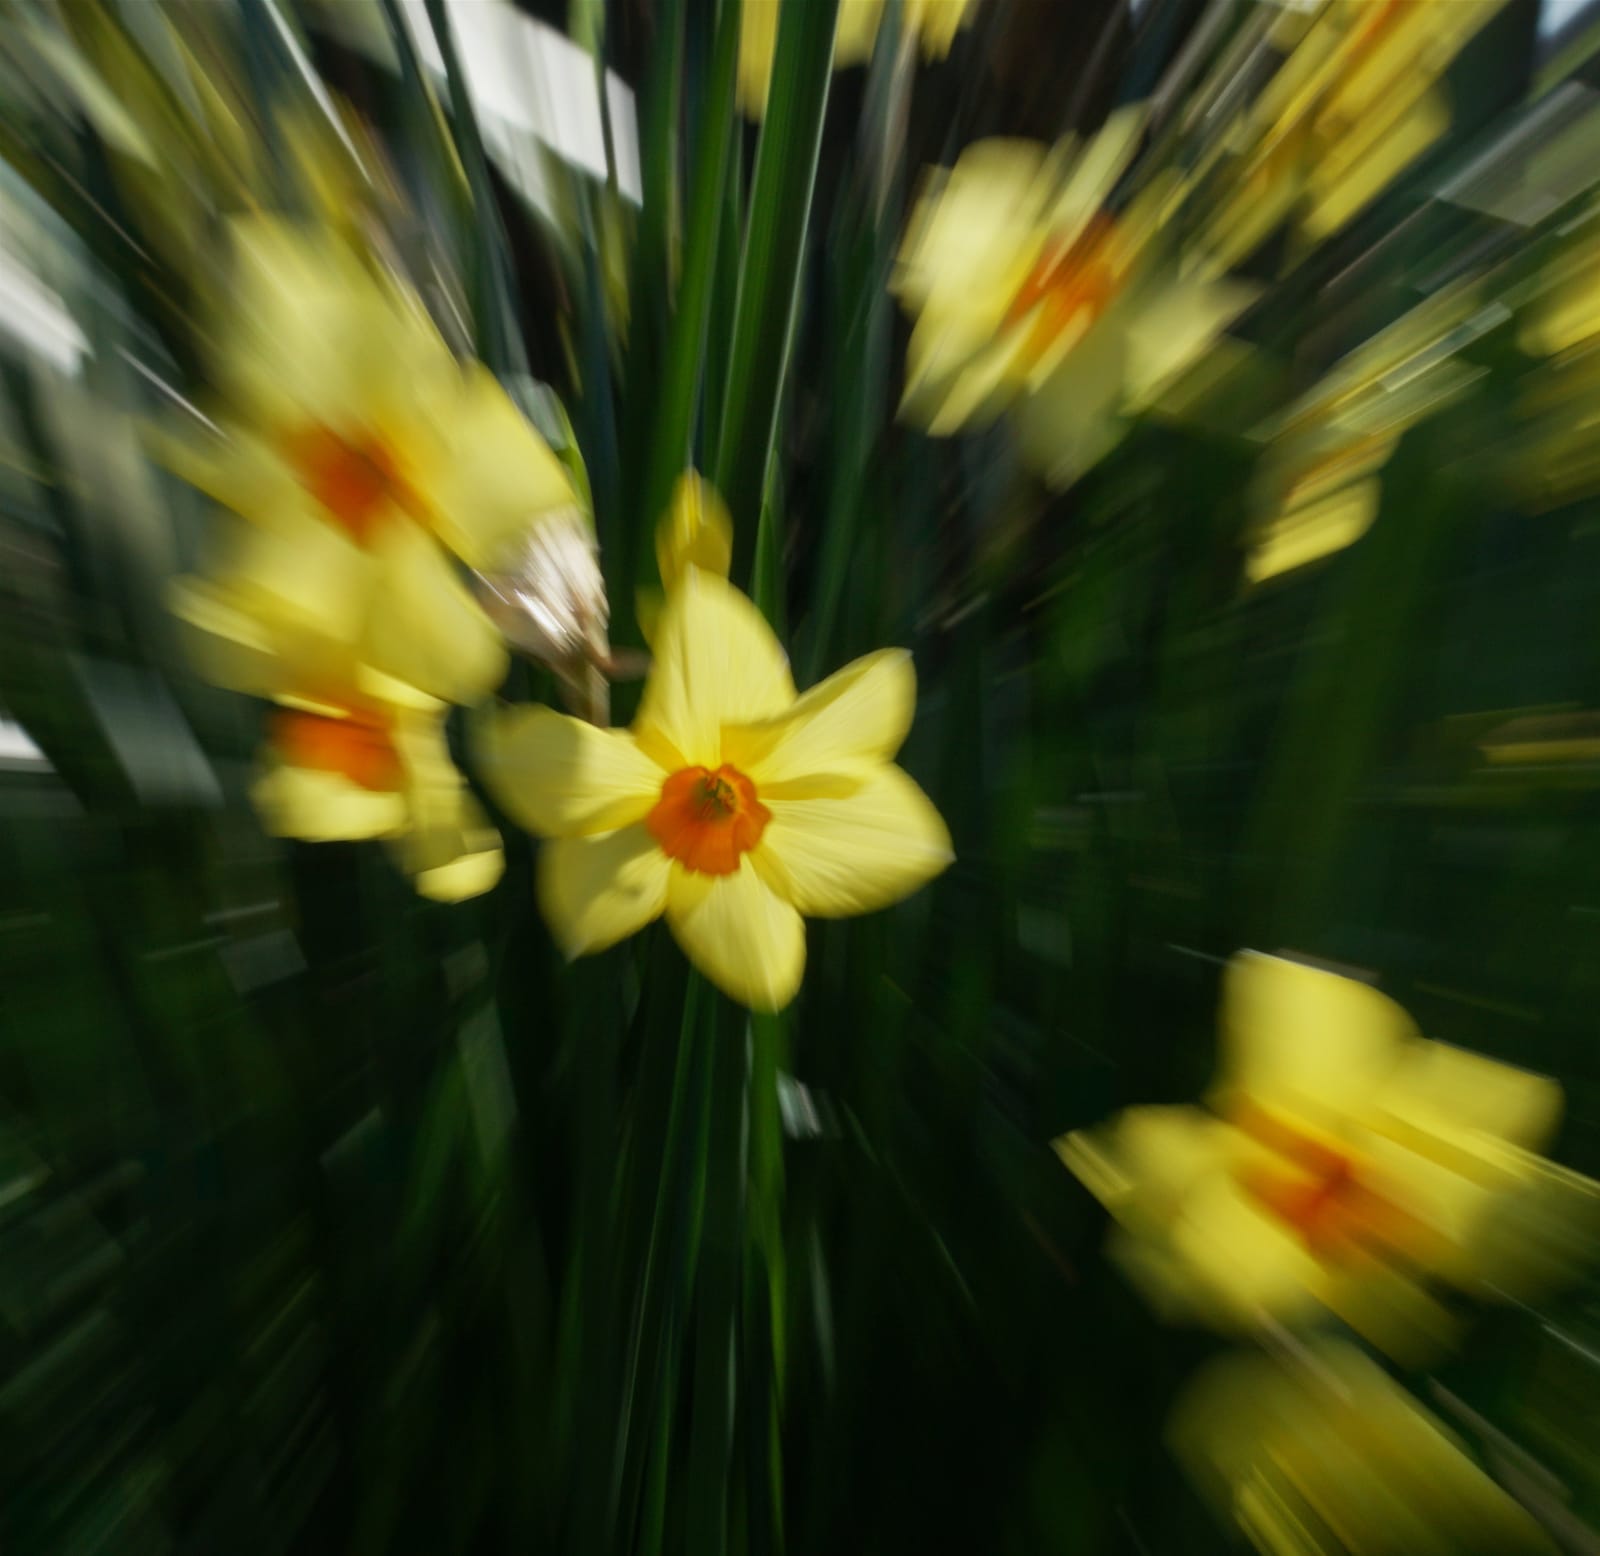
point(1345, 1164)
point(1028, 294)
point(350, 771)
point(367, 460)
point(1318, 1451)
point(733, 806)
point(349, 754)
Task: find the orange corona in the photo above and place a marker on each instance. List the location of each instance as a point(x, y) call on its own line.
point(355, 481)
point(707, 819)
point(357, 746)
point(1070, 279)
point(1319, 1192)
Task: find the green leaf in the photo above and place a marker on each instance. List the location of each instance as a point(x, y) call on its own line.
point(770, 270)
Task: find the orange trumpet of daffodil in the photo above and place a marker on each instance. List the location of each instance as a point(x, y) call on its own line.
point(733, 806)
point(367, 461)
point(1344, 1164)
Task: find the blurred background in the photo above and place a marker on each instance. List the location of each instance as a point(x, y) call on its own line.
point(1205, 391)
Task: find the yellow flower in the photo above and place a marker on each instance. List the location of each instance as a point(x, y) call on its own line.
point(1354, 103)
point(733, 806)
point(1344, 1164)
point(1025, 292)
point(350, 755)
point(1320, 1454)
point(934, 23)
point(363, 454)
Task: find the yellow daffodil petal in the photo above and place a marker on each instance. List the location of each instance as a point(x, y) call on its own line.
point(229, 646)
point(469, 873)
point(424, 627)
point(716, 663)
point(935, 22)
point(856, 719)
point(560, 777)
point(238, 468)
point(303, 580)
point(492, 476)
point(323, 807)
point(1304, 1041)
point(595, 891)
point(1319, 1450)
point(1172, 328)
point(1142, 1163)
point(695, 531)
point(740, 934)
point(1072, 416)
point(1240, 1263)
point(313, 335)
point(1442, 1091)
point(450, 850)
point(833, 858)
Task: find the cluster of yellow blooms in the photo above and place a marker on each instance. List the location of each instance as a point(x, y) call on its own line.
point(363, 462)
point(1344, 1172)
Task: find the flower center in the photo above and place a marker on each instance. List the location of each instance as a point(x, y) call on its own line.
point(706, 818)
point(1071, 285)
point(354, 480)
point(357, 746)
point(1318, 1191)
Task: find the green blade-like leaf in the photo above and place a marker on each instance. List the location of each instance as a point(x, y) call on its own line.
point(769, 274)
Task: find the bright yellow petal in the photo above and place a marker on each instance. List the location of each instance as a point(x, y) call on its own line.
point(304, 582)
point(240, 469)
point(423, 627)
point(1173, 326)
point(560, 777)
point(695, 531)
point(856, 32)
point(1307, 1042)
point(491, 476)
point(833, 858)
point(852, 722)
point(1143, 1163)
point(1442, 1091)
point(320, 807)
point(449, 848)
point(739, 934)
point(758, 43)
point(716, 663)
point(595, 891)
point(1072, 417)
point(227, 645)
point(310, 334)
point(1241, 1263)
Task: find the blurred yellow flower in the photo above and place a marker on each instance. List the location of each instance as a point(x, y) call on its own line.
point(1320, 1454)
point(933, 23)
point(1344, 1162)
point(1026, 292)
point(349, 754)
point(733, 806)
point(364, 455)
point(1354, 103)
point(334, 771)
